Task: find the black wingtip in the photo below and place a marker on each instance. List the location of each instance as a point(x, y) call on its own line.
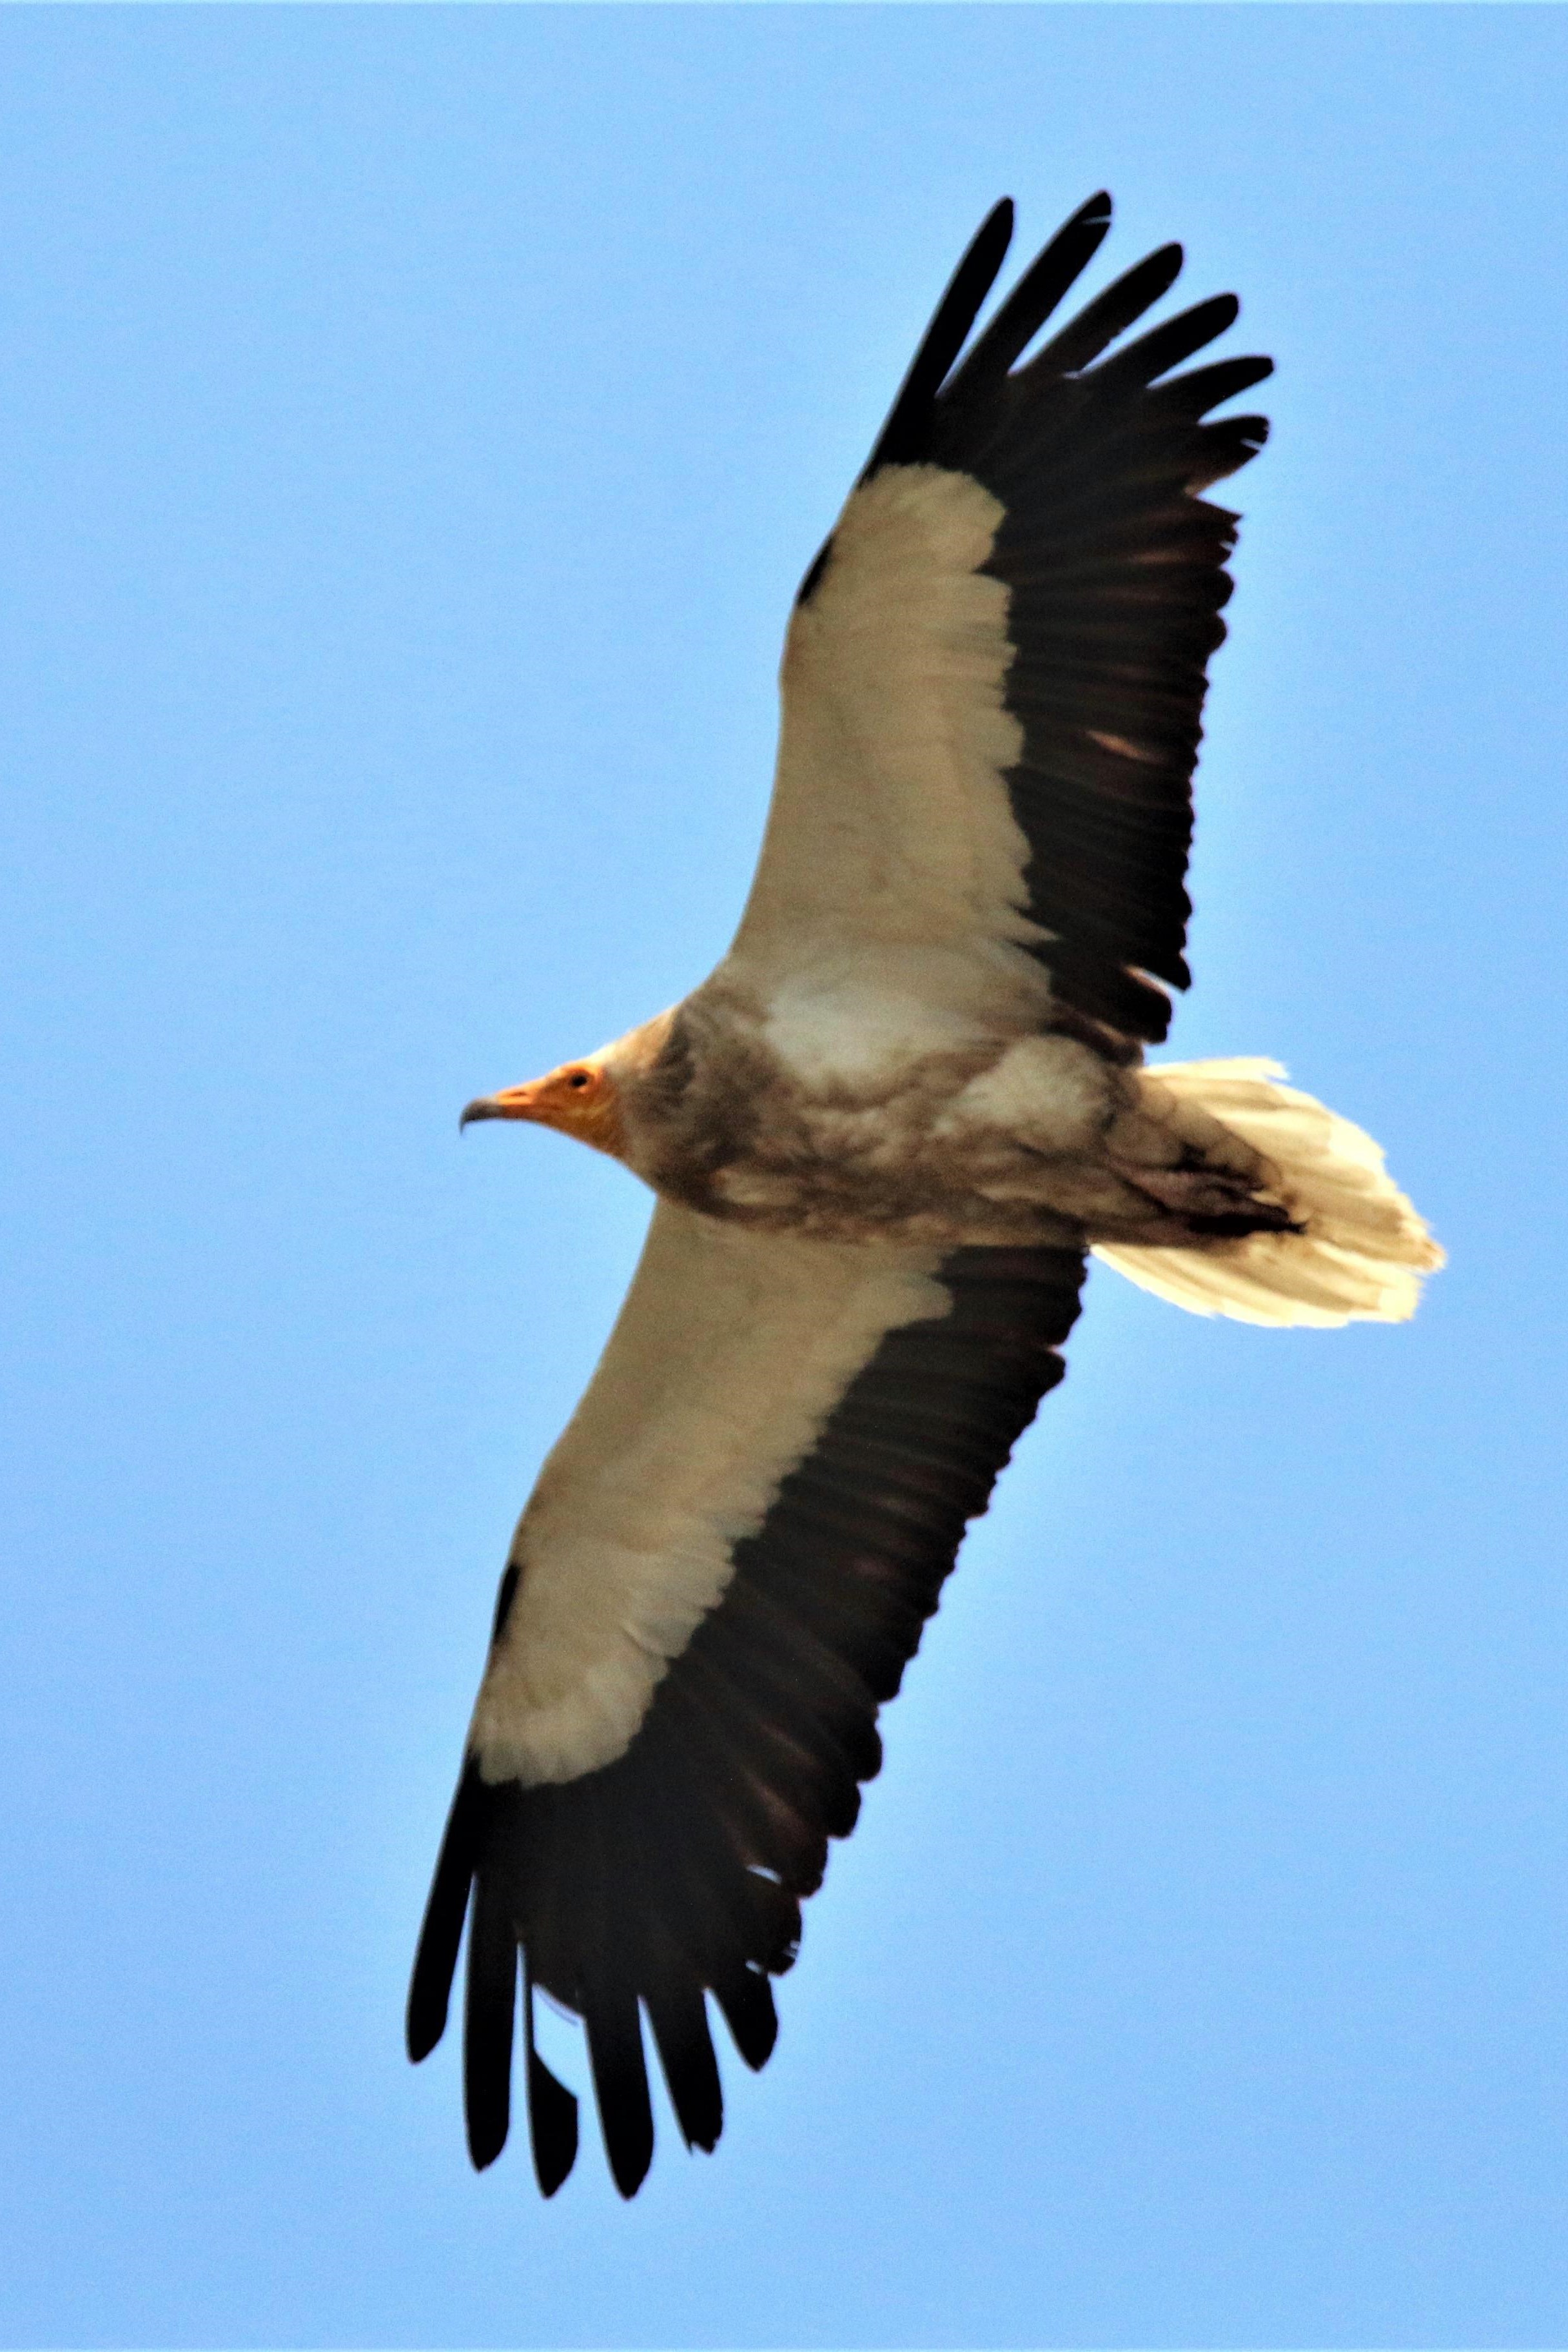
point(487, 2138)
point(1223, 448)
point(621, 2084)
point(424, 2021)
point(552, 2125)
point(998, 222)
point(552, 2108)
point(1050, 275)
point(903, 438)
point(487, 2026)
point(629, 2165)
point(746, 1999)
point(423, 2029)
point(441, 1933)
point(678, 2015)
point(1083, 338)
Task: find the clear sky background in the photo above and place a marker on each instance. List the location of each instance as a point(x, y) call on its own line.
point(416, 423)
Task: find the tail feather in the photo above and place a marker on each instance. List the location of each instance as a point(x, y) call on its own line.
point(1360, 1250)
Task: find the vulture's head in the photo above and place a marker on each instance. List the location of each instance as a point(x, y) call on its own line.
point(581, 1099)
point(598, 1098)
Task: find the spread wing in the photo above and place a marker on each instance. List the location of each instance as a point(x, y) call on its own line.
point(994, 676)
point(721, 1574)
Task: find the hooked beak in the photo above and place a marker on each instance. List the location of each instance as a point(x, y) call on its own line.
point(512, 1102)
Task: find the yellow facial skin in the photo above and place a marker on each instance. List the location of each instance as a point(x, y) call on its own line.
point(579, 1099)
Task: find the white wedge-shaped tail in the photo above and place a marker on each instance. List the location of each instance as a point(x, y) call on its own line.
point(1361, 1250)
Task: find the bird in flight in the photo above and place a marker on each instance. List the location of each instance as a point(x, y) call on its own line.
point(883, 1136)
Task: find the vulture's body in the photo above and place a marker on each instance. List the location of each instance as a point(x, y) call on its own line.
point(883, 1136)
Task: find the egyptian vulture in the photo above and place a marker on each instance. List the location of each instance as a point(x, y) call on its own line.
point(882, 1137)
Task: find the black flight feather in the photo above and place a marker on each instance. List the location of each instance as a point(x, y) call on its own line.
point(441, 1932)
point(902, 439)
point(1033, 300)
point(489, 2015)
point(552, 2109)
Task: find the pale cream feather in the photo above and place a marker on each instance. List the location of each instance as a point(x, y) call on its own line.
point(1364, 1249)
point(730, 1352)
point(893, 866)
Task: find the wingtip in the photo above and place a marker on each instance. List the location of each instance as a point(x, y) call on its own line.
point(423, 2028)
point(552, 2108)
point(446, 1907)
point(552, 2125)
point(746, 2001)
point(490, 2017)
point(629, 2167)
point(902, 440)
point(988, 246)
point(620, 2086)
point(484, 2148)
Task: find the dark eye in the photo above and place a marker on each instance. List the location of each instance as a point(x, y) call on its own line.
point(581, 1078)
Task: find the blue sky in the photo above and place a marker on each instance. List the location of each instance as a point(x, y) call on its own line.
point(418, 421)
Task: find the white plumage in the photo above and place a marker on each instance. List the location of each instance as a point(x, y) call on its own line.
point(1361, 1250)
